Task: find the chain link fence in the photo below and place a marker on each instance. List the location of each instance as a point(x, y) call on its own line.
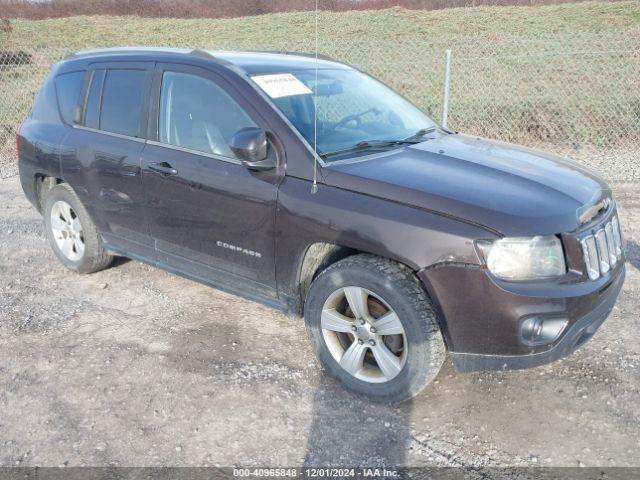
point(577, 96)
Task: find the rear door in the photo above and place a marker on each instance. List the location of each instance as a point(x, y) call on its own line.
point(209, 215)
point(101, 156)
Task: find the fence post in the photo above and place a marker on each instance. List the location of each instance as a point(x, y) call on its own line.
point(447, 82)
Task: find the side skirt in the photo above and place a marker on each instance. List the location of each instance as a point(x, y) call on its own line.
point(218, 279)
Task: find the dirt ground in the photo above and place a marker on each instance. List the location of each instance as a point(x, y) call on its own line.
point(135, 366)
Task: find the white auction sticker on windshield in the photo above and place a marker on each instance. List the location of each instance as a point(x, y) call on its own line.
point(281, 85)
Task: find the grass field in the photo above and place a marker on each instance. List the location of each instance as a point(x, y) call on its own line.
point(448, 27)
point(560, 75)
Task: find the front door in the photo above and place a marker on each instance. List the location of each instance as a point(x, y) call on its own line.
point(210, 216)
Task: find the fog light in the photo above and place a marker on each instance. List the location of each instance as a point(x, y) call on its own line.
point(541, 331)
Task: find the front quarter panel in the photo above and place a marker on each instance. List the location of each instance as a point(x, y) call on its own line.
point(412, 236)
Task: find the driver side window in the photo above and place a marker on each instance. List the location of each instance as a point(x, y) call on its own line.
point(197, 114)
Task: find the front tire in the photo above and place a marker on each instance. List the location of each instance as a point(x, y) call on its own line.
point(373, 328)
point(71, 233)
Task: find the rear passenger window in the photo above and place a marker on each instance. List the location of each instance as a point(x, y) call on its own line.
point(92, 109)
point(122, 102)
point(68, 87)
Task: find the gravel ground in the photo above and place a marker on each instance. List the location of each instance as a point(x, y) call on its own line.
point(135, 366)
point(8, 167)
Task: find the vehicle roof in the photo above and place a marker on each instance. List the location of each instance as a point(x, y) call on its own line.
point(251, 62)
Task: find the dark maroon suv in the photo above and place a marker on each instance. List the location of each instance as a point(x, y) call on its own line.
point(307, 185)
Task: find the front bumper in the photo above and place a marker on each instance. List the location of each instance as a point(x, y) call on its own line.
point(481, 319)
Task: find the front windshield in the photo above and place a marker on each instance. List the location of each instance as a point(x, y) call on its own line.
point(355, 113)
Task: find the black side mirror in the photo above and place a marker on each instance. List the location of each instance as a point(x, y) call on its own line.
point(250, 146)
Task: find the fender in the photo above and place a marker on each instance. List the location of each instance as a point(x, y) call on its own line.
point(362, 223)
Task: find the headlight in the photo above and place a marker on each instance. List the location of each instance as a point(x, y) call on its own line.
point(524, 258)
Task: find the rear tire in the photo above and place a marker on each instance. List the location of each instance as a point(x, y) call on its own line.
point(363, 309)
point(71, 233)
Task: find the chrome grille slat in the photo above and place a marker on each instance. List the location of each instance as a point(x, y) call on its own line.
point(603, 249)
point(608, 231)
point(591, 257)
point(617, 236)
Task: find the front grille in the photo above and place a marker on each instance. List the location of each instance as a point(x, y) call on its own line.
point(603, 249)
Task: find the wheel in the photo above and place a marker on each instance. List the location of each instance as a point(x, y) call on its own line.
point(373, 328)
point(71, 233)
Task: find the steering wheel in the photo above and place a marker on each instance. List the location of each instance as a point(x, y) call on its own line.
point(357, 118)
point(348, 119)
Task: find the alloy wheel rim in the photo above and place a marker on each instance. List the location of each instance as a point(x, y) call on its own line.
point(364, 334)
point(67, 231)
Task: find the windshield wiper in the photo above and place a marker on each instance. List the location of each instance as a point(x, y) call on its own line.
point(420, 133)
point(367, 145)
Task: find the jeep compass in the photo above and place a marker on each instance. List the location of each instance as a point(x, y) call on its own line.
point(309, 186)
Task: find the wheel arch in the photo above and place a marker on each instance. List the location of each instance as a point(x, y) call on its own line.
point(320, 255)
point(316, 258)
point(43, 183)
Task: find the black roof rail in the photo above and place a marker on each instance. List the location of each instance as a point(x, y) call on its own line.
point(116, 50)
point(197, 52)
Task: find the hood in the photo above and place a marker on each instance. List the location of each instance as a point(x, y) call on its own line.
point(509, 189)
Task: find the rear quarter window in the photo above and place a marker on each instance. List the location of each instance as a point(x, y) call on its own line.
point(68, 87)
point(45, 108)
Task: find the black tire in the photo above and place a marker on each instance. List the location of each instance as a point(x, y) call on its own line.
point(397, 285)
point(94, 257)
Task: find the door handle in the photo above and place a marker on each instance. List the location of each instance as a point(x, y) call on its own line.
point(163, 168)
